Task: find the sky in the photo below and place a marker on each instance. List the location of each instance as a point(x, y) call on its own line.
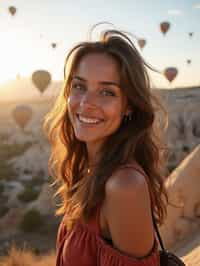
point(26, 37)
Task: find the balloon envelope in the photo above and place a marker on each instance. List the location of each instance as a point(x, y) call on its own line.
point(53, 45)
point(141, 43)
point(164, 27)
point(188, 61)
point(170, 73)
point(22, 114)
point(41, 79)
point(12, 10)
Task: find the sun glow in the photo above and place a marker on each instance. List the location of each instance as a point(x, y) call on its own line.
point(8, 57)
point(20, 54)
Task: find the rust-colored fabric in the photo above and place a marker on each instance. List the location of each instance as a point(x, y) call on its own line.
point(84, 246)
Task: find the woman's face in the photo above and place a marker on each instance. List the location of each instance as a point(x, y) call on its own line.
point(96, 103)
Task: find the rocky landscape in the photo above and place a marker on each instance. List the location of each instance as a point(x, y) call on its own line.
point(27, 206)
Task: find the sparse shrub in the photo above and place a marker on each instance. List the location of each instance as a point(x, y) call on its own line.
point(25, 257)
point(4, 137)
point(2, 187)
point(17, 257)
point(32, 221)
point(7, 171)
point(28, 194)
point(8, 151)
point(3, 210)
point(3, 199)
point(27, 172)
point(36, 180)
point(186, 148)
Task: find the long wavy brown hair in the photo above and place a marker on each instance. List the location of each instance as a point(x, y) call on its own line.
point(141, 139)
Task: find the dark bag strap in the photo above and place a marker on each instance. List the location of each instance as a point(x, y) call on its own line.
point(157, 232)
point(140, 170)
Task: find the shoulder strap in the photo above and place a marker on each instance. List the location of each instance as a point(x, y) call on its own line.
point(137, 167)
point(157, 232)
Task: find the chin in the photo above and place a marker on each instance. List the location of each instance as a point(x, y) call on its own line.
point(89, 138)
point(86, 138)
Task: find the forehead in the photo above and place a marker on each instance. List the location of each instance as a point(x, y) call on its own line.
point(98, 66)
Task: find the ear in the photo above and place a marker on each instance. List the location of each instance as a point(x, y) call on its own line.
point(128, 111)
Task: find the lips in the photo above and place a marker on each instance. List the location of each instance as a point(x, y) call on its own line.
point(88, 120)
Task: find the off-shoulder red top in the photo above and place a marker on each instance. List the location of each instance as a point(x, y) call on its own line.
point(85, 246)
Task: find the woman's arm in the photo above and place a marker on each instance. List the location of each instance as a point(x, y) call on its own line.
point(128, 213)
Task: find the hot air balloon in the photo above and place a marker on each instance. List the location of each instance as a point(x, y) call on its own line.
point(22, 114)
point(164, 27)
point(188, 61)
point(53, 45)
point(141, 43)
point(12, 10)
point(170, 73)
point(41, 79)
point(190, 34)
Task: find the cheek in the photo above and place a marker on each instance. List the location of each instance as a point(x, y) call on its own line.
point(72, 102)
point(115, 111)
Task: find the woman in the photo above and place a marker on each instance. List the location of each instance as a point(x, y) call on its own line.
point(107, 157)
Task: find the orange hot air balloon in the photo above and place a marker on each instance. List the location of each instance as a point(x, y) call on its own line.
point(53, 45)
point(22, 115)
point(41, 79)
point(164, 27)
point(170, 73)
point(12, 10)
point(141, 43)
point(189, 61)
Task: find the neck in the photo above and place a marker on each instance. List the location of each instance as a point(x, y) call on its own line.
point(93, 155)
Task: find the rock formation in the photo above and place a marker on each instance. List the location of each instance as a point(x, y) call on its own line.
point(183, 186)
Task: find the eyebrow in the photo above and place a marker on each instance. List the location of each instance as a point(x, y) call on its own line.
point(101, 82)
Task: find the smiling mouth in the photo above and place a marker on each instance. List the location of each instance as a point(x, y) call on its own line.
point(87, 120)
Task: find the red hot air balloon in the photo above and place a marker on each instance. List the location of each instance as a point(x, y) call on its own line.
point(141, 43)
point(41, 79)
point(12, 10)
point(170, 73)
point(22, 115)
point(164, 27)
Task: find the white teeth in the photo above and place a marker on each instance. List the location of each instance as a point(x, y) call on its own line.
point(88, 120)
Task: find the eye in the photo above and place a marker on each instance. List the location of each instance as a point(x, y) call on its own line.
point(107, 92)
point(77, 87)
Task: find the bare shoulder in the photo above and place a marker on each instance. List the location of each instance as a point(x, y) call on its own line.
point(125, 177)
point(128, 212)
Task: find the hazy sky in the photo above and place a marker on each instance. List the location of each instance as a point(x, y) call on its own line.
point(25, 39)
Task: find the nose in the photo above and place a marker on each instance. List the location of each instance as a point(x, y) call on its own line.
point(88, 100)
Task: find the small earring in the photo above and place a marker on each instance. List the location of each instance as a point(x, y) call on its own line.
point(128, 117)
